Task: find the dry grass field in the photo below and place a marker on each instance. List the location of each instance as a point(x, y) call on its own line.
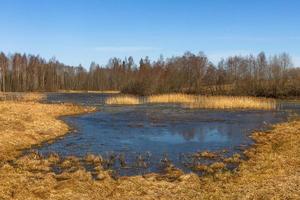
point(270, 172)
point(26, 122)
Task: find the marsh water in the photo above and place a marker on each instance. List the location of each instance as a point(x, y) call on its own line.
point(156, 132)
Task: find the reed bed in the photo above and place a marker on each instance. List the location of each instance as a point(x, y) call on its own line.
point(172, 98)
point(215, 102)
point(198, 101)
point(21, 96)
point(91, 91)
point(33, 96)
point(230, 102)
point(123, 100)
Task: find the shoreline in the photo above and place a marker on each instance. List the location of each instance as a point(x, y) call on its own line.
point(272, 161)
point(19, 117)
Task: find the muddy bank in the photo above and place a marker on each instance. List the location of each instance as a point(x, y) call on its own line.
point(270, 172)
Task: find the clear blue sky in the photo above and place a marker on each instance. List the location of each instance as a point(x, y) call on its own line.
point(81, 31)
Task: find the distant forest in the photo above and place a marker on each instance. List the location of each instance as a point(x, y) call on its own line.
point(251, 75)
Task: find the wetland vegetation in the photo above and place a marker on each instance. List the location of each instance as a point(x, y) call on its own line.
point(197, 101)
point(270, 170)
point(115, 100)
point(148, 134)
point(175, 128)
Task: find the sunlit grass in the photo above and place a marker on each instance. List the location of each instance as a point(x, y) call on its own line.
point(123, 100)
point(271, 168)
point(171, 98)
point(33, 96)
point(269, 172)
point(214, 102)
point(21, 96)
point(232, 102)
point(198, 101)
point(91, 91)
point(24, 123)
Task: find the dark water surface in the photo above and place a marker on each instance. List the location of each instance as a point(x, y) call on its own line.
point(152, 132)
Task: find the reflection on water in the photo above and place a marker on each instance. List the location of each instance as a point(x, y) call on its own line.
point(156, 129)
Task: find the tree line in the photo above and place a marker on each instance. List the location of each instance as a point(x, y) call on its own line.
point(251, 75)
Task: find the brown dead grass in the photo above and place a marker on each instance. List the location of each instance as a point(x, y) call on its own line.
point(91, 91)
point(215, 102)
point(23, 124)
point(123, 100)
point(21, 96)
point(227, 102)
point(172, 98)
point(271, 172)
point(198, 101)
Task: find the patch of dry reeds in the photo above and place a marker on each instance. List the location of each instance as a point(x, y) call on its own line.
point(232, 102)
point(123, 100)
point(172, 98)
point(215, 102)
point(199, 101)
point(91, 91)
point(21, 96)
